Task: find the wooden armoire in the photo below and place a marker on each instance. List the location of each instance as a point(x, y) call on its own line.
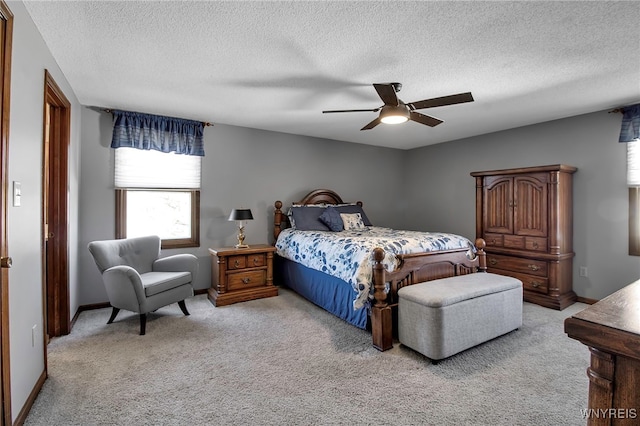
point(525, 215)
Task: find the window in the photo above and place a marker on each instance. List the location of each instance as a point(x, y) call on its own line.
point(633, 180)
point(158, 193)
point(630, 134)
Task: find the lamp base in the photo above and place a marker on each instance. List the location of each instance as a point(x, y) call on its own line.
point(241, 243)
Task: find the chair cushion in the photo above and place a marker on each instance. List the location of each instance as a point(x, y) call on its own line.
point(157, 282)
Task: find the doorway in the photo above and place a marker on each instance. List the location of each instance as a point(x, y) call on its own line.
point(57, 122)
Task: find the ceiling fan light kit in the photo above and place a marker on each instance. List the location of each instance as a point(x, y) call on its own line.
point(394, 111)
point(394, 114)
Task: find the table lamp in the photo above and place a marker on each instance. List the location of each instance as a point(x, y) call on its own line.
point(240, 216)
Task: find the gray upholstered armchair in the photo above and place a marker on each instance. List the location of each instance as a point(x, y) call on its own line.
point(138, 280)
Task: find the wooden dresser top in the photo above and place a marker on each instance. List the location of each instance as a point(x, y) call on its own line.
point(621, 310)
point(612, 324)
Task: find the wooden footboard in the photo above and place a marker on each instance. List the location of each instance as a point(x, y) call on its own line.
point(413, 269)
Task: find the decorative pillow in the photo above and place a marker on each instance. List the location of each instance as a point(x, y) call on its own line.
point(352, 221)
point(331, 218)
point(306, 218)
point(354, 208)
point(292, 222)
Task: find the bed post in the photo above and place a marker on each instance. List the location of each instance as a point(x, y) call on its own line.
point(381, 322)
point(482, 256)
point(277, 220)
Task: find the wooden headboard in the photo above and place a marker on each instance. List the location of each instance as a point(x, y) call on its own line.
point(321, 196)
point(317, 196)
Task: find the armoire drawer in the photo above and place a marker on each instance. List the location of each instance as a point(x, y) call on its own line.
point(529, 282)
point(518, 264)
point(525, 243)
point(535, 244)
point(493, 240)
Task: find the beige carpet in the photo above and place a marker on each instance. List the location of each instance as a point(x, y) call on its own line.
point(283, 361)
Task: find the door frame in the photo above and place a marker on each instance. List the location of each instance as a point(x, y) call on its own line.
point(55, 214)
point(6, 35)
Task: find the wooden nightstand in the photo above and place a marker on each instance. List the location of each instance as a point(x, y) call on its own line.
point(241, 274)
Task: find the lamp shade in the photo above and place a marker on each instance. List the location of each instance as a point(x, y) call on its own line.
point(241, 214)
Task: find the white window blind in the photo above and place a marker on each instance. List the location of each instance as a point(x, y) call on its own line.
point(633, 163)
point(137, 168)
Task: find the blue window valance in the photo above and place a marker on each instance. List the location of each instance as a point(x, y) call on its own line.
point(165, 134)
point(630, 130)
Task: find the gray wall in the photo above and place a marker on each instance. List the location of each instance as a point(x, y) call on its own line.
point(426, 189)
point(30, 57)
point(442, 191)
point(242, 168)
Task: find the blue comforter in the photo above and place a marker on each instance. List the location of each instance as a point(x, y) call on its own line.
point(348, 255)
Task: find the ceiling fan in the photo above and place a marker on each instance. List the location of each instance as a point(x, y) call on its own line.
point(395, 111)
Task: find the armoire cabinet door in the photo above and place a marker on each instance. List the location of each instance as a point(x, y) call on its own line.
point(498, 210)
point(530, 205)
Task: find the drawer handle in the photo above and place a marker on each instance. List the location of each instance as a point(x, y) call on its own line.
point(236, 263)
point(493, 261)
point(535, 244)
point(256, 260)
point(534, 267)
point(493, 241)
point(535, 284)
point(246, 280)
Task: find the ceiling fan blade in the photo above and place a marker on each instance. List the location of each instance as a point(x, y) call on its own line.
point(351, 110)
point(387, 93)
point(371, 125)
point(424, 119)
point(442, 101)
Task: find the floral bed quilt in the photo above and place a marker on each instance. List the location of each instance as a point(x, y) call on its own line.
point(348, 254)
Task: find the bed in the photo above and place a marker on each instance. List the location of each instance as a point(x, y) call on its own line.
point(331, 254)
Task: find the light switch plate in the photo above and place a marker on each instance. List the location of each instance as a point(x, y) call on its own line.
point(17, 193)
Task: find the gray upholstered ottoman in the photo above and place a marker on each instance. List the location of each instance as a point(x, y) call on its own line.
point(442, 317)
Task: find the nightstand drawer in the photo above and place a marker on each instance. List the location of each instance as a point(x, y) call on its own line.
point(256, 260)
point(246, 279)
point(237, 262)
point(249, 261)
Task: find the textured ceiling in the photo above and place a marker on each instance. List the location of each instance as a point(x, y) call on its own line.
point(276, 65)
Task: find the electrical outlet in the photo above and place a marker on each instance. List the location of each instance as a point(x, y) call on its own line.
point(33, 335)
point(583, 271)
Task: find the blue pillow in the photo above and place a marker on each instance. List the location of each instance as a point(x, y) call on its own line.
point(307, 218)
point(354, 208)
point(331, 217)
